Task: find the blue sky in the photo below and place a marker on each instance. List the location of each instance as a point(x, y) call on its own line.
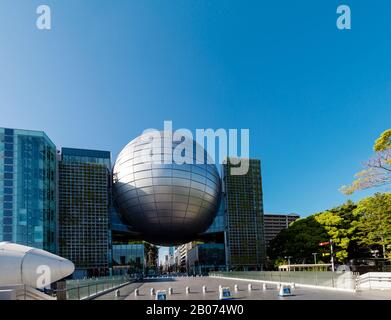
point(314, 98)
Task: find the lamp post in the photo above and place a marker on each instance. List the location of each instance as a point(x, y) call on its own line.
point(316, 270)
point(332, 255)
point(314, 254)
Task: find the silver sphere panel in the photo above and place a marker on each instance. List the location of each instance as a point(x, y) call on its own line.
point(167, 203)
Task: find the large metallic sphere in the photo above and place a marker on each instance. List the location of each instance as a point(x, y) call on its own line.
point(167, 203)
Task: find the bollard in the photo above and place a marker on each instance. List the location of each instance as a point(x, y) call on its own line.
point(220, 286)
point(136, 293)
point(278, 285)
point(152, 291)
point(170, 291)
point(117, 293)
point(264, 286)
point(187, 290)
point(204, 289)
point(250, 287)
point(236, 287)
point(293, 285)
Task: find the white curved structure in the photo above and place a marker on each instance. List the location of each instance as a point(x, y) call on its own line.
point(22, 265)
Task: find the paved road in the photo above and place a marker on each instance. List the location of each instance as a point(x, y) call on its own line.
point(195, 283)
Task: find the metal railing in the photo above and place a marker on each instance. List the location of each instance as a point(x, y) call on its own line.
point(87, 288)
point(340, 280)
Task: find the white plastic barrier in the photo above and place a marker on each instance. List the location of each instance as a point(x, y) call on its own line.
point(224, 293)
point(285, 291)
point(374, 280)
point(161, 295)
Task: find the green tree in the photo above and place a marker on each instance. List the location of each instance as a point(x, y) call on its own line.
point(338, 225)
point(299, 240)
point(303, 236)
point(377, 170)
point(374, 221)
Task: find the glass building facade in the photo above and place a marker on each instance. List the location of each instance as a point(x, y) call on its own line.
point(206, 257)
point(218, 224)
point(84, 210)
point(28, 213)
point(244, 234)
point(128, 258)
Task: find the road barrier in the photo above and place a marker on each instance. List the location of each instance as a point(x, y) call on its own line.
point(224, 293)
point(285, 291)
point(161, 295)
point(344, 281)
point(374, 280)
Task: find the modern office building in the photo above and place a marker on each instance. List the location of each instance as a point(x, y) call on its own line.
point(84, 210)
point(206, 257)
point(209, 253)
point(235, 240)
point(129, 258)
point(274, 223)
point(244, 232)
point(182, 259)
point(28, 212)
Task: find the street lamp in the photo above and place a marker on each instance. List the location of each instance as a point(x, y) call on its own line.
point(314, 254)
